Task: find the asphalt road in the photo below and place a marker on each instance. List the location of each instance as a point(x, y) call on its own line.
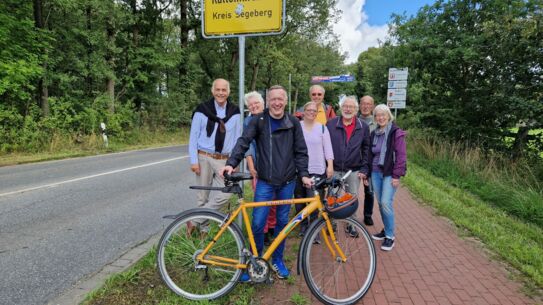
point(63, 220)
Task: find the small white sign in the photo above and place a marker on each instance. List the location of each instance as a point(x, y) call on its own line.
point(398, 84)
point(396, 104)
point(397, 74)
point(396, 94)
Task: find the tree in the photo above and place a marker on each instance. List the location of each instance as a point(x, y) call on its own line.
point(476, 67)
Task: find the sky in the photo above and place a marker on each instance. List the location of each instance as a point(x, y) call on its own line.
point(364, 22)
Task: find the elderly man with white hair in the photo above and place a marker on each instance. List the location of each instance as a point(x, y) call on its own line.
point(351, 144)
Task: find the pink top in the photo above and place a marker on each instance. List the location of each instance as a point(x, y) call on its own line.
point(319, 148)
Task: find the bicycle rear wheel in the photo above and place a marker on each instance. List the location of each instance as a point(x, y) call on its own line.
point(332, 281)
point(183, 240)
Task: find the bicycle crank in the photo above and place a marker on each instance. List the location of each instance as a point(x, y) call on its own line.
point(258, 269)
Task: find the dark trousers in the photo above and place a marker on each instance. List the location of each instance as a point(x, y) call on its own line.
point(368, 200)
point(302, 192)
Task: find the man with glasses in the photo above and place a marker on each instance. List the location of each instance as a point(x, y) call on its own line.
point(351, 145)
point(324, 112)
point(367, 104)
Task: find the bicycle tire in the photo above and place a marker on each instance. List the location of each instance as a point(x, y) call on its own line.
point(331, 281)
point(177, 250)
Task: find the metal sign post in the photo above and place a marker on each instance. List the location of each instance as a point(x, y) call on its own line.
point(226, 19)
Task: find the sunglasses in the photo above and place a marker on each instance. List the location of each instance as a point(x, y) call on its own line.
point(316, 94)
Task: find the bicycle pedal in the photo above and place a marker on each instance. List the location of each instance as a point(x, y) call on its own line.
point(199, 266)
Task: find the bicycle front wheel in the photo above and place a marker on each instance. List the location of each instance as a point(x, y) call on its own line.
point(330, 279)
point(184, 240)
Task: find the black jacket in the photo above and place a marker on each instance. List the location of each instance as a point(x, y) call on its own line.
point(281, 154)
point(352, 155)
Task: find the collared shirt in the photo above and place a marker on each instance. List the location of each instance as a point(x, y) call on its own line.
point(321, 115)
point(200, 141)
point(349, 129)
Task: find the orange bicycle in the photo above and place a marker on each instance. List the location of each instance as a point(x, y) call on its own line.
point(203, 253)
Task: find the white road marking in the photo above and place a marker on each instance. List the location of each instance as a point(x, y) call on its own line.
point(90, 177)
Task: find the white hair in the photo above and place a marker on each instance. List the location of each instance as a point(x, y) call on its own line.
point(227, 85)
point(256, 95)
point(384, 109)
point(350, 98)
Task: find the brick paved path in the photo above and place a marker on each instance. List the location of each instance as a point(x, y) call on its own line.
point(429, 264)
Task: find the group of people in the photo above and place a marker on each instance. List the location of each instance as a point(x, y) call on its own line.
point(284, 151)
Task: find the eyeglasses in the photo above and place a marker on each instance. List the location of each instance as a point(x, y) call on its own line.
point(348, 107)
point(311, 110)
point(316, 94)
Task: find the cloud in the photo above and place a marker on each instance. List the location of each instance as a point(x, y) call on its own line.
point(355, 33)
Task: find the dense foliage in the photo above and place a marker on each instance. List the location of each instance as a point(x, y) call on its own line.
point(67, 65)
point(475, 71)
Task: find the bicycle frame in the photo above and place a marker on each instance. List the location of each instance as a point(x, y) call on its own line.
point(314, 204)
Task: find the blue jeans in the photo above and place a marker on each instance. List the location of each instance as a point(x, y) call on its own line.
point(266, 192)
point(383, 189)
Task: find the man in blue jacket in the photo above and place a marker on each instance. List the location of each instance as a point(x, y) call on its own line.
point(282, 155)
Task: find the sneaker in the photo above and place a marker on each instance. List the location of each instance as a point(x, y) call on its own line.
point(379, 236)
point(368, 221)
point(245, 278)
point(279, 267)
point(349, 229)
point(388, 244)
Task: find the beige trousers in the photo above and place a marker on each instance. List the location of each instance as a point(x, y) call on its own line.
point(209, 175)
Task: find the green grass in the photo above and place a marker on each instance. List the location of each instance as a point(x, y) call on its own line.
point(299, 299)
point(518, 243)
point(141, 284)
point(514, 187)
point(69, 146)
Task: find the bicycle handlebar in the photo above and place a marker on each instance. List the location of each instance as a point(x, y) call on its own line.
point(207, 188)
point(237, 176)
point(331, 181)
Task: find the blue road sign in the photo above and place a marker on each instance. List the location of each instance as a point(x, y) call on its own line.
point(332, 79)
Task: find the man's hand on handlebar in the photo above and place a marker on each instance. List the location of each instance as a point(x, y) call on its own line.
point(308, 182)
point(227, 169)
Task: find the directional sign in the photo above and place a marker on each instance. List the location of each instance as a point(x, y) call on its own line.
point(396, 104)
point(332, 79)
point(397, 74)
point(227, 18)
point(396, 94)
point(398, 84)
